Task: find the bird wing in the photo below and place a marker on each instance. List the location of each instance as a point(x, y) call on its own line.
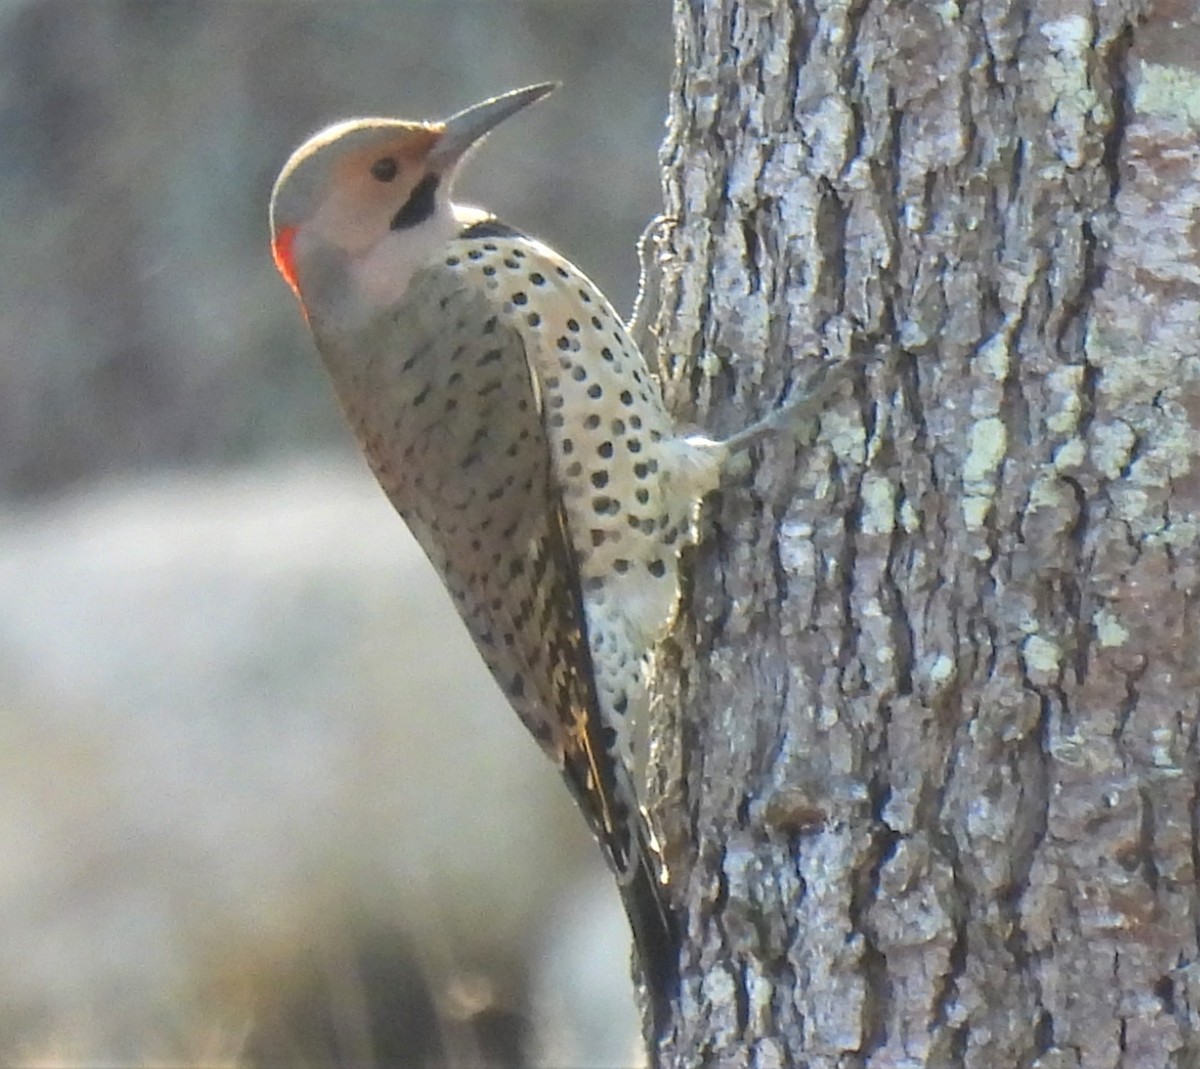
point(449, 413)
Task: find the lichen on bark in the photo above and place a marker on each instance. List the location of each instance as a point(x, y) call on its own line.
point(928, 752)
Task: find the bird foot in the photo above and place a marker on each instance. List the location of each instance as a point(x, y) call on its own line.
point(794, 413)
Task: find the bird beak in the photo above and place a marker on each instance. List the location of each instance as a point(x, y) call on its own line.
point(464, 129)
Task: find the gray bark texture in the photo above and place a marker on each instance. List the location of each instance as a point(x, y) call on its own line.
point(926, 758)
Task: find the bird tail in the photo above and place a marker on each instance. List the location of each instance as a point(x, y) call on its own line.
point(656, 937)
point(629, 847)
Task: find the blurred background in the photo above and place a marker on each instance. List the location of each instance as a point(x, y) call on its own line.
point(259, 802)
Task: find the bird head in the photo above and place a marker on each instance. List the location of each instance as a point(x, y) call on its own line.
point(365, 202)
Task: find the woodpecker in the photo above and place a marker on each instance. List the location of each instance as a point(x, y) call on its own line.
point(513, 423)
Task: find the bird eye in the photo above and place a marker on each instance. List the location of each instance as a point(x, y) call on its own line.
point(384, 169)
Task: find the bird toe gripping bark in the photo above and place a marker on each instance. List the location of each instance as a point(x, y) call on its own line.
point(789, 418)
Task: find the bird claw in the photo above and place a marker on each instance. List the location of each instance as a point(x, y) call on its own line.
point(790, 417)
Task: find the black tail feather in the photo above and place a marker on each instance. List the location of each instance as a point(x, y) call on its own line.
point(656, 937)
point(625, 839)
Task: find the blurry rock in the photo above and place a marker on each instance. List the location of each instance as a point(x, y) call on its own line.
point(239, 723)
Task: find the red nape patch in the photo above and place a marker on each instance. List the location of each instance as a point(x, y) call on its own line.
point(281, 249)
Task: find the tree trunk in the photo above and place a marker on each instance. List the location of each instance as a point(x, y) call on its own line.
point(927, 758)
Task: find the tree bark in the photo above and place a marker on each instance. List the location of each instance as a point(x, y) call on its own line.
point(926, 763)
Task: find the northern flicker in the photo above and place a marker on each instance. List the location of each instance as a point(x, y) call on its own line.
point(513, 423)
